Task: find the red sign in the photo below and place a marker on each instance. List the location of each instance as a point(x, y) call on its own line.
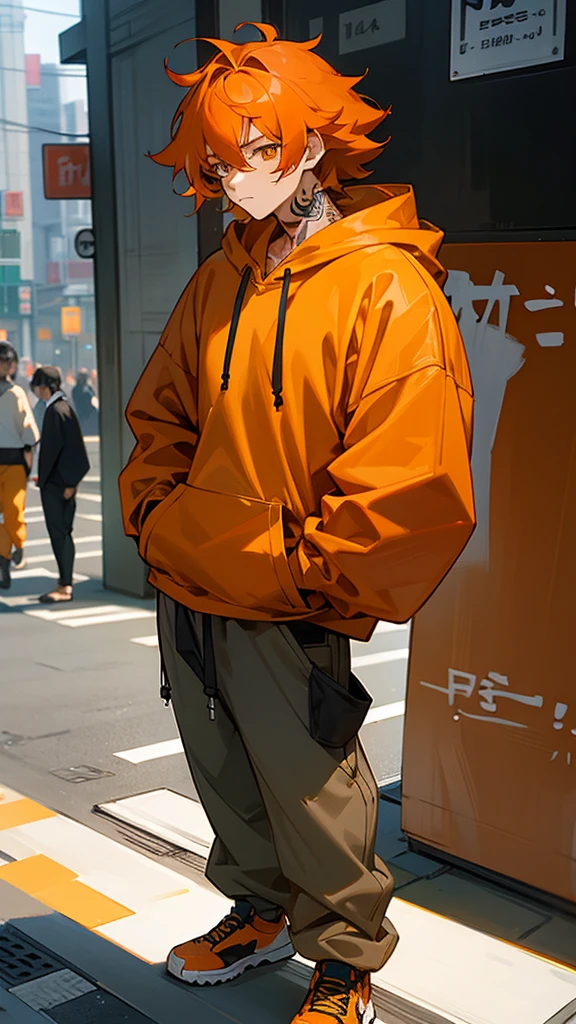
point(32, 69)
point(13, 204)
point(66, 171)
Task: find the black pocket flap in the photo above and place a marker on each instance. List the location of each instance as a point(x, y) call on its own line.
point(336, 713)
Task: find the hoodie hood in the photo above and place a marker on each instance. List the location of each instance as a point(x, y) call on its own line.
point(373, 215)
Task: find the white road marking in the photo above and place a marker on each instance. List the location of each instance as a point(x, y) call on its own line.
point(152, 752)
point(167, 748)
point(101, 620)
point(145, 641)
point(92, 480)
point(90, 497)
point(35, 559)
point(30, 520)
point(380, 656)
point(392, 627)
point(104, 614)
point(95, 517)
point(77, 540)
point(395, 710)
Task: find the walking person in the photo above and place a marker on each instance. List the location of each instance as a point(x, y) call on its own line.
point(85, 404)
point(62, 464)
point(301, 470)
point(18, 435)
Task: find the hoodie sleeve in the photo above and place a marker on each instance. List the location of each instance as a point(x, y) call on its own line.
point(162, 414)
point(24, 421)
point(402, 507)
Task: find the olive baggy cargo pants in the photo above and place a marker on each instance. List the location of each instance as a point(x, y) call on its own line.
point(295, 821)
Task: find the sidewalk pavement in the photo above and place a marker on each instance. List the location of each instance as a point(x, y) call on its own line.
point(88, 922)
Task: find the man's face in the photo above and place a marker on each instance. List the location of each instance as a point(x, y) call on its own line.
point(262, 189)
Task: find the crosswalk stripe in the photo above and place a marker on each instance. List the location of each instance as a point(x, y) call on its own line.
point(392, 627)
point(77, 540)
point(74, 613)
point(151, 752)
point(48, 556)
point(380, 656)
point(145, 641)
point(89, 497)
point(167, 748)
point(75, 618)
point(380, 714)
point(95, 517)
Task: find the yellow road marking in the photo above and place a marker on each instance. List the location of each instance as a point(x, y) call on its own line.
point(22, 812)
point(32, 874)
point(83, 904)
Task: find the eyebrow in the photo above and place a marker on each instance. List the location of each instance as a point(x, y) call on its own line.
point(252, 141)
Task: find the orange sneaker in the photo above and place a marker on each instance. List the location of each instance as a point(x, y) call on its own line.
point(241, 940)
point(339, 994)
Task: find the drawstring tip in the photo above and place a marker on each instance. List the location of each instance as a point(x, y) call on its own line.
point(224, 384)
point(212, 709)
point(278, 401)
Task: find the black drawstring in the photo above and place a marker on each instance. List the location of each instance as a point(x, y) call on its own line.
point(277, 364)
point(210, 678)
point(246, 275)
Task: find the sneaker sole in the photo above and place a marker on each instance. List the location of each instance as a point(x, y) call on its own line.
point(280, 949)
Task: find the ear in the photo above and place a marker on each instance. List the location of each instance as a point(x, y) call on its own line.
point(315, 150)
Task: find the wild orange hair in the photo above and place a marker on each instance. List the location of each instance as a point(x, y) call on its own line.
point(286, 91)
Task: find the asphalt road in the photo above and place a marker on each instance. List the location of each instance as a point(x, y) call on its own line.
point(75, 696)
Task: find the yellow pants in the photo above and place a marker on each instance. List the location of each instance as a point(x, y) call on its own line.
point(12, 505)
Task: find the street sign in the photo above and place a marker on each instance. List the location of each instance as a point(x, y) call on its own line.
point(43, 334)
point(70, 320)
point(84, 243)
point(66, 170)
point(24, 300)
point(491, 36)
point(13, 204)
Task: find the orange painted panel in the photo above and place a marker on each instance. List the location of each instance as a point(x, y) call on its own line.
point(489, 764)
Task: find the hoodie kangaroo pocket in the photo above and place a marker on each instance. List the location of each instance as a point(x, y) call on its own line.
point(336, 713)
point(224, 545)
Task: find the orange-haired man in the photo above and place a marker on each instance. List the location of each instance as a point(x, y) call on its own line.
point(302, 469)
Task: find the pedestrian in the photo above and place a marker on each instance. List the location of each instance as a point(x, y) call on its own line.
point(85, 404)
point(62, 464)
point(18, 435)
point(301, 470)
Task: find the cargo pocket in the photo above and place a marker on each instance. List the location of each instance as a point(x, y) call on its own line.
point(336, 713)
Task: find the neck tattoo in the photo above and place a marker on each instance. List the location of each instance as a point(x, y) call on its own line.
point(309, 206)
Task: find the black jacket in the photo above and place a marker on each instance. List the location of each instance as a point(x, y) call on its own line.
point(63, 460)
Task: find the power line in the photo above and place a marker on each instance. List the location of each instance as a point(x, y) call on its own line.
point(48, 131)
point(39, 10)
point(59, 74)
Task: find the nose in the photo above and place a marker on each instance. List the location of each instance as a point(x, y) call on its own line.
point(236, 178)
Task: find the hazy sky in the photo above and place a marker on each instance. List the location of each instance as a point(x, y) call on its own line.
point(41, 37)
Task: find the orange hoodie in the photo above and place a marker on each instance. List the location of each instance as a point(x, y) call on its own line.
point(303, 439)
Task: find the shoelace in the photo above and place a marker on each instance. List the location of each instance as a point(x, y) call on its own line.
point(227, 926)
point(331, 996)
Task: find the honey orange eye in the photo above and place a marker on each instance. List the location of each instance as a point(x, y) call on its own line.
point(269, 152)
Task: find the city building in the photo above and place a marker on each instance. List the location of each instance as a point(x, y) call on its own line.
point(16, 253)
point(61, 278)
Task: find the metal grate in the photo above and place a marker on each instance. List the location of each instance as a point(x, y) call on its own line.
point(21, 960)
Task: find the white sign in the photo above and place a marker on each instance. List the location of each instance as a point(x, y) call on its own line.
point(84, 243)
point(372, 26)
point(489, 36)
